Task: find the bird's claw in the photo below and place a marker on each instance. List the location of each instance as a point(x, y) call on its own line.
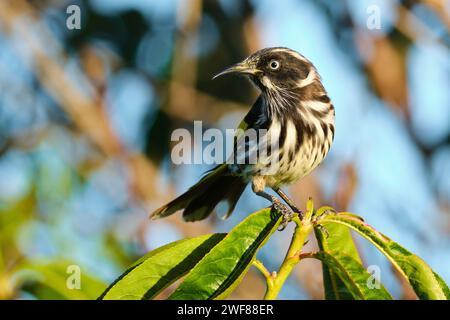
point(299, 212)
point(285, 211)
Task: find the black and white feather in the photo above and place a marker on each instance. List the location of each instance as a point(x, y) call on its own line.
point(296, 113)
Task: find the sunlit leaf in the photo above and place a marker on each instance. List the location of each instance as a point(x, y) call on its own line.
point(353, 276)
point(425, 283)
point(159, 268)
point(338, 238)
point(223, 268)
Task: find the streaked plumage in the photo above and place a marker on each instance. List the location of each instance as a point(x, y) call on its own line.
point(297, 113)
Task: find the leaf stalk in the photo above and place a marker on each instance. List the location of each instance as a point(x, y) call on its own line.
point(293, 256)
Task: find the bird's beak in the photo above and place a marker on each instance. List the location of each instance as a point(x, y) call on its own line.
point(239, 68)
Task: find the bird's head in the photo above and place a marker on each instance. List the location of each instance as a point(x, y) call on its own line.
point(275, 68)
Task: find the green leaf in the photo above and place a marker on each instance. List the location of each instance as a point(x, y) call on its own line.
point(353, 275)
point(425, 283)
point(57, 277)
point(159, 268)
point(336, 238)
point(223, 268)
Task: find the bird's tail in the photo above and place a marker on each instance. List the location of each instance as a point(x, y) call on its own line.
point(201, 199)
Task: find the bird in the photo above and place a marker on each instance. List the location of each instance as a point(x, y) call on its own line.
point(298, 118)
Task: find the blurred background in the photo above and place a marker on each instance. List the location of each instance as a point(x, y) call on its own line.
point(86, 117)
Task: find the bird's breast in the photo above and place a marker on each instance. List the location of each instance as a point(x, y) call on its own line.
point(303, 142)
point(289, 146)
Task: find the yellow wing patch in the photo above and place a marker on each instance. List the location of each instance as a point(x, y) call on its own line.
point(241, 129)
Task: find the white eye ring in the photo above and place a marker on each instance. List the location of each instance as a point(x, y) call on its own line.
point(274, 64)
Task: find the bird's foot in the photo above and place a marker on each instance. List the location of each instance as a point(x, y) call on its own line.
point(289, 202)
point(298, 211)
point(285, 211)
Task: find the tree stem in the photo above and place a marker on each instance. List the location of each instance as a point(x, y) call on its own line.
point(260, 266)
point(302, 230)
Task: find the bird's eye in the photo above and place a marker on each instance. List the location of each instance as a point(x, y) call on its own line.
point(274, 64)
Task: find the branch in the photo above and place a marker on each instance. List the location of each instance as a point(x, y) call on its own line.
point(293, 256)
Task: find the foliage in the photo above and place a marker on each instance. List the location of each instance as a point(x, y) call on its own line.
point(86, 118)
point(216, 264)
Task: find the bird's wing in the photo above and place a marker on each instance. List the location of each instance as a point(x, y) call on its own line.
point(217, 184)
point(245, 142)
point(241, 129)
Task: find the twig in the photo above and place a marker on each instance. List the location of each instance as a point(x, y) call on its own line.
point(260, 266)
point(293, 256)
